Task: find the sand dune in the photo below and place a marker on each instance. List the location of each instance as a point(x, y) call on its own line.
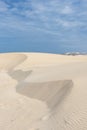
point(43, 92)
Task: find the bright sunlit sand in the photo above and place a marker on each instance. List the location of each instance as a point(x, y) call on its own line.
point(40, 91)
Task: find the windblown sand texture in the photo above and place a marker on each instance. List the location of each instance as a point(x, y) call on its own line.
point(43, 92)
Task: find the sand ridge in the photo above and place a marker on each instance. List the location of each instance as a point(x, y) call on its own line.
point(10, 61)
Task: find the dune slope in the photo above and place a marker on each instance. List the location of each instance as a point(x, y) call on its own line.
point(43, 92)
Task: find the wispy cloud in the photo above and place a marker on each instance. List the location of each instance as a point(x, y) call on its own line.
point(67, 10)
point(3, 7)
point(56, 17)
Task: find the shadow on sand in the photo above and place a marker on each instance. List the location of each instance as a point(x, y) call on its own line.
point(52, 92)
point(19, 75)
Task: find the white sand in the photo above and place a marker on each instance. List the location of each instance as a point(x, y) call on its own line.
point(43, 92)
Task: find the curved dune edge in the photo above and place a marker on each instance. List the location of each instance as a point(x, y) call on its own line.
point(10, 61)
point(61, 101)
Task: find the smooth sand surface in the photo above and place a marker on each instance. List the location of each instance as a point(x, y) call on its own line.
point(43, 92)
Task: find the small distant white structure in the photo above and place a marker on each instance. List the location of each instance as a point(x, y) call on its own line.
point(73, 53)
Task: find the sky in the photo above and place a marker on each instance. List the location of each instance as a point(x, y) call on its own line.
point(54, 26)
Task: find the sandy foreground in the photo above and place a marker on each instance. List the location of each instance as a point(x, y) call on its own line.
point(43, 92)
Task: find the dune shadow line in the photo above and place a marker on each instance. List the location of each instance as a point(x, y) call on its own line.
point(19, 75)
point(52, 92)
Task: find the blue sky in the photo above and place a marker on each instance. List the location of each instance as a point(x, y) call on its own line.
point(55, 26)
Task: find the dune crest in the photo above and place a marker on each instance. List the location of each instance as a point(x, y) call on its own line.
point(10, 61)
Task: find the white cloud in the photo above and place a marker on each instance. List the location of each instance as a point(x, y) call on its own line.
point(67, 10)
point(3, 7)
point(54, 16)
point(69, 24)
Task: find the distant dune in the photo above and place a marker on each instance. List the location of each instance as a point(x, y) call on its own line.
point(40, 91)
